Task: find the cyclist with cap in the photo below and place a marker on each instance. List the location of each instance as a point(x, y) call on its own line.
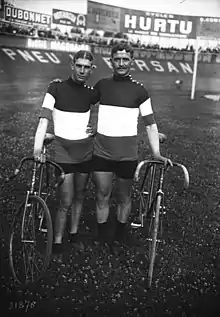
point(68, 103)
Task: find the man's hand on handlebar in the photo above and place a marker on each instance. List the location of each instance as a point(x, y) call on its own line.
point(167, 161)
point(39, 157)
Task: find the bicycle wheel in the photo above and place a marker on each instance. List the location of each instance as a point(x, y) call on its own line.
point(30, 243)
point(154, 227)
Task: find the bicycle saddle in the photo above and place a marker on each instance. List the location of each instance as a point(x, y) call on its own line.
point(49, 137)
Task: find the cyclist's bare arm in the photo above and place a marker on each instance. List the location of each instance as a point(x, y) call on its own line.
point(48, 105)
point(39, 137)
point(153, 137)
point(152, 130)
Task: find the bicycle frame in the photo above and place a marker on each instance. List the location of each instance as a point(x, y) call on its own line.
point(32, 191)
point(43, 167)
point(150, 174)
point(159, 192)
point(149, 170)
point(34, 219)
point(154, 205)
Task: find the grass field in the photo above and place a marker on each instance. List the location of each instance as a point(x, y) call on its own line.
point(187, 273)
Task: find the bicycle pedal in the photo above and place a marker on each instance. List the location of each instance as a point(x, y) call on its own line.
point(43, 230)
point(136, 225)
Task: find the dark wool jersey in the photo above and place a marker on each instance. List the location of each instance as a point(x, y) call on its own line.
point(69, 104)
point(121, 101)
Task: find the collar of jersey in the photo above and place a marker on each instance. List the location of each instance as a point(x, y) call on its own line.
point(120, 78)
point(73, 83)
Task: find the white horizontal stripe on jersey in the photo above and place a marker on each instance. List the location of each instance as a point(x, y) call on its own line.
point(48, 102)
point(70, 125)
point(146, 108)
point(117, 121)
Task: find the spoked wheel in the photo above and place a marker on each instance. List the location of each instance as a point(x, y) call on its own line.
point(155, 233)
point(30, 243)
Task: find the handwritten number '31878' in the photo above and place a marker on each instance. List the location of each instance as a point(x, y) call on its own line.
point(24, 305)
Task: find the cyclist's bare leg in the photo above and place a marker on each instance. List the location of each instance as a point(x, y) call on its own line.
point(103, 182)
point(124, 188)
point(66, 193)
point(80, 183)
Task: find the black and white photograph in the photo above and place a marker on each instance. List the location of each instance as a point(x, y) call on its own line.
point(110, 158)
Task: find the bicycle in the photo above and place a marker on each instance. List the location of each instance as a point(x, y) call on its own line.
point(31, 236)
point(151, 206)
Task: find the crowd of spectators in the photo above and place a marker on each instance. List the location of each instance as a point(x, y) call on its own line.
point(76, 35)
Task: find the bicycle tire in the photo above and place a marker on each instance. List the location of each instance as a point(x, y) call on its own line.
point(153, 237)
point(30, 217)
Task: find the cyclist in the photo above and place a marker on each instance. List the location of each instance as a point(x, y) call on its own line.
point(68, 103)
point(115, 145)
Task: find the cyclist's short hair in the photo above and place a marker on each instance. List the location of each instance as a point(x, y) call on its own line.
point(83, 54)
point(121, 47)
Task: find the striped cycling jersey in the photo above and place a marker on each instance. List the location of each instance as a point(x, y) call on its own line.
point(69, 104)
point(121, 101)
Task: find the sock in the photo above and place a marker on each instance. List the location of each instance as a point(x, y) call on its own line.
point(120, 227)
point(73, 237)
point(73, 232)
point(58, 239)
point(102, 227)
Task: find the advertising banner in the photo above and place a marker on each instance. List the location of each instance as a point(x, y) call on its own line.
point(158, 24)
point(162, 55)
point(26, 16)
point(103, 17)
point(209, 28)
point(69, 18)
point(56, 45)
point(40, 44)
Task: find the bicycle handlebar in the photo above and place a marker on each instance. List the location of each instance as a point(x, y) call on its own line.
point(18, 168)
point(184, 169)
point(62, 174)
point(31, 158)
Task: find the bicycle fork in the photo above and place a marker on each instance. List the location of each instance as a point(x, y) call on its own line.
point(145, 195)
point(29, 204)
point(147, 203)
point(158, 208)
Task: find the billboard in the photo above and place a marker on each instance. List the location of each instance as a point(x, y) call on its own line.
point(158, 24)
point(68, 18)
point(162, 55)
point(26, 16)
point(103, 17)
point(209, 28)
